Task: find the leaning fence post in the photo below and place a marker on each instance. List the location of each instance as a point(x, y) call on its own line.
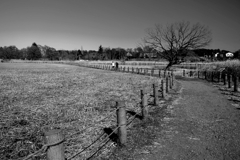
point(55, 149)
point(121, 122)
point(155, 94)
point(144, 104)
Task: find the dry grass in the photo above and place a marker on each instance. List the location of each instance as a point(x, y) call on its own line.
point(37, 97)
point(231, 66)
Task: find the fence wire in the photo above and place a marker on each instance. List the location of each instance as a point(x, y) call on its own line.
point(101, 120)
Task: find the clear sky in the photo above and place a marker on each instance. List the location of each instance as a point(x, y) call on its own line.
point(72, 24)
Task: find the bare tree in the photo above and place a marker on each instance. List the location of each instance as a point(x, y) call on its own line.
point(173, 41)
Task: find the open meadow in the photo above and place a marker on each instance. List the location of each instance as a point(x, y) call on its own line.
point(36, 97)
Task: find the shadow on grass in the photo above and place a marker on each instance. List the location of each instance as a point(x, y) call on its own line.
point(113, 137)
point(132, 113)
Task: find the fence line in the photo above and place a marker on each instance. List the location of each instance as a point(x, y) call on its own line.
point(229, 79)
point(144, 110)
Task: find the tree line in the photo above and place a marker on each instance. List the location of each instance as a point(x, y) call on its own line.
point(38, 52)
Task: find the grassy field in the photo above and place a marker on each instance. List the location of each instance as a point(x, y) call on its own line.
point(37, 97)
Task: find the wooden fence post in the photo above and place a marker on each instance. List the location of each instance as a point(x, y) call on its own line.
point(190, 74)
point(172, 75)
point(163, 89)
point(198, 74)
point(152, 71)
point(159, 73)
point(219, 76)
point(212, 76)
point(205, 74)
point(170, 82)
point(55, 140)
point(229, 80)
point(167, 84)
point(122, 123)
point(155, 94)
point(144, 104)
point(235, 82)
point(145, 71)
point(224, 78)
point(132, 70)
point(183, 73)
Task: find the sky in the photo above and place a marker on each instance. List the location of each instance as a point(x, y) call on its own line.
point(87, 24)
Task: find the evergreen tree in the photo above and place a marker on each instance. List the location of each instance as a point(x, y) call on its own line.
point(33, 52)
point(100, 50)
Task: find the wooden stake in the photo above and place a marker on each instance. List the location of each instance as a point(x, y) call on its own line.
point(122, 123)
point(170, 82)
point(224, 78)
point(173, 77)
point(56, 150)
point(155, 94)
point(229, 80)
point(235, 82)
point(163, 89)
point(144, 104)
point(152, 71)
point(212, 76)
point(167, 84)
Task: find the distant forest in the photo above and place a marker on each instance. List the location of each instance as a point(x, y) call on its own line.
point(38, 52)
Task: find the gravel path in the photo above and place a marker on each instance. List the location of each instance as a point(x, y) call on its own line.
point(201, 124)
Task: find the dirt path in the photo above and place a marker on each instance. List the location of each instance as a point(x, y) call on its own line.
point(201, 124)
